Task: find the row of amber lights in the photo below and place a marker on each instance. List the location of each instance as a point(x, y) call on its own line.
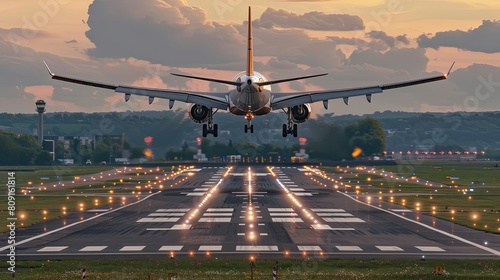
point(81, 206)
point(418, 207)
point(295, 200)
point(192, 214)
point(286, 253)
point(250, 211)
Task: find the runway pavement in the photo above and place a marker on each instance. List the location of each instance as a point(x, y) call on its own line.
point(260, 211)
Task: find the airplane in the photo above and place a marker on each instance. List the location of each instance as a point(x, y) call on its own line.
point(251, 95)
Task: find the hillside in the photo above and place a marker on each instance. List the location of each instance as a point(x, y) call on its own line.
point(171, 128)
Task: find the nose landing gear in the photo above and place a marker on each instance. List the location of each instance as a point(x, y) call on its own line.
point(249, 126)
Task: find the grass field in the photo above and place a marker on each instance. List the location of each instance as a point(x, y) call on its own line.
point(469, 173)
point(50, 202)
point(201, 267)
point(474, 205)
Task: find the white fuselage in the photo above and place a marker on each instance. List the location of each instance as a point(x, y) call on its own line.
point(249, 98)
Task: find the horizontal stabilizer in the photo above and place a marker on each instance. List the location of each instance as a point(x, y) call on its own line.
point(289, 80)
point(209, 79)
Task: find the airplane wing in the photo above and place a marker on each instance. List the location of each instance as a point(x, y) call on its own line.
point(310, 97)
point(202, 98)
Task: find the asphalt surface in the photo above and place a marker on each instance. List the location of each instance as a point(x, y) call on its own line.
point(259, 211)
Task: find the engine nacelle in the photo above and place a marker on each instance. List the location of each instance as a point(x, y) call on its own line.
point(198, 113)
point(301, 113)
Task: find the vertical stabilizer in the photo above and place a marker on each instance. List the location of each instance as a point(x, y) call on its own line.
point(250, 44)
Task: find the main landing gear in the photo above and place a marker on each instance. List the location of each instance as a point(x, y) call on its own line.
point(211, 128)
point(249, 126)
point(291, 128)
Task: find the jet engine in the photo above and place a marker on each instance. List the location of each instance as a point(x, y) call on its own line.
point(301, 113)
point(199, 113)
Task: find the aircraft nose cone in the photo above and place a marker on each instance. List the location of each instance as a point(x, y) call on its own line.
point(249, 81)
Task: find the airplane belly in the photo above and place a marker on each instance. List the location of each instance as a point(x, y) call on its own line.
point(255, 102)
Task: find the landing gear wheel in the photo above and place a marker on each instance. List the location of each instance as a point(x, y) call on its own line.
point(285, 130)
point(246, 128)
point(205, 130)
point(215, 131)
point(295, 130)
point(251, 128)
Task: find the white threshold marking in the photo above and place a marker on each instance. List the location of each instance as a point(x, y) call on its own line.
point(334, 214)
point(263, 234)
point(132, 248)
point(327, 210)
point(220, 210)
point(297, 189)
point(492, 251)
point(77, 223)
point(401, 210)
point(93, 248)
point(280, 210)
point(214, 220)
point(309, 248)
point(210, 248)
point(171, 248)
point(166, 214)
point(302, 194)
point(389, 248)
point(175, 227)
point(328, 227)
point(158, 220)
point(52, 249)
point(287, 220)
point(200, 190)
point(290, 214)
point(429, 249)
point(196, 194)
point(343, 220)
point(217, 214)
point(174, 210)
point(349, 248)
point(257, 248)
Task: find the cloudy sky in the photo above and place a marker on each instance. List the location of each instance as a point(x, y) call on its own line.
point(141, 42)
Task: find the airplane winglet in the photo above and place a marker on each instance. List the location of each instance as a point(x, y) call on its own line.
point(48, 69)
point(447, 74)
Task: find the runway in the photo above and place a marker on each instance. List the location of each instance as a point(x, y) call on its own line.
point(259, 211)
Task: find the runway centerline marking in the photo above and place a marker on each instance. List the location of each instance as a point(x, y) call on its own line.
point(343, 220)
point(495, 252)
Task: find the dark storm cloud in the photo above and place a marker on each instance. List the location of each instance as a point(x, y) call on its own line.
point(484, 38)
point(311, 21)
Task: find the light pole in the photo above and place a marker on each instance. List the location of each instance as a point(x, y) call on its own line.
point(40, 108)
